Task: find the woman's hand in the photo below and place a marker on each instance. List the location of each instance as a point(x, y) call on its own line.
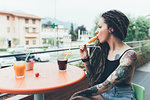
point(83, 52)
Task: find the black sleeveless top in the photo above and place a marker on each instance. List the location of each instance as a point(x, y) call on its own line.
point(110, 66)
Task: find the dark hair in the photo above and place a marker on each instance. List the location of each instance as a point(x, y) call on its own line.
point(119, 22)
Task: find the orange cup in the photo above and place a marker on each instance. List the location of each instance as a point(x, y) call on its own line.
point(19, 68)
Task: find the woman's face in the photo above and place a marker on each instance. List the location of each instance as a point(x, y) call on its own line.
point(102, 31)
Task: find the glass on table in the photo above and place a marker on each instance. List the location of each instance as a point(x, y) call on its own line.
point(19, 68)
point(62, 64)
point(29, 65)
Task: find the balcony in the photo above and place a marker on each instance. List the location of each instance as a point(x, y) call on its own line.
point(32, 35)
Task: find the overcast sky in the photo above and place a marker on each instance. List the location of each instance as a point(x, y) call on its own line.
point(81, 12)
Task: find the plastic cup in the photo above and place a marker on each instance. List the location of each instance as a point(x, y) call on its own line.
point(62, 64)
point(19, 68)
point(29, 65)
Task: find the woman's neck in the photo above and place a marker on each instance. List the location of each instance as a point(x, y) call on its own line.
point(115, 43)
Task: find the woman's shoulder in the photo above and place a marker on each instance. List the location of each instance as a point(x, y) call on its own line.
point(129, 56)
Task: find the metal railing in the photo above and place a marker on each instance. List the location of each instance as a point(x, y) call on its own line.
point(134, 44)
point(137, 45)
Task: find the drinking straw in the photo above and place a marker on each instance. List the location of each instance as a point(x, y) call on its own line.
point(27, 56)
point(67, 54)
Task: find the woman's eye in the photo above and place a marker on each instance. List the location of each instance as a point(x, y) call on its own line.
point(99, 27)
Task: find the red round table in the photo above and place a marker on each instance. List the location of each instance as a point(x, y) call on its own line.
point(50, 79)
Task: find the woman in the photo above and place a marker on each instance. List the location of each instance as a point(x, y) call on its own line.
point(110, 67)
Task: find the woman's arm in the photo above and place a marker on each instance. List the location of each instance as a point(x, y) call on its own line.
point(121, 73)
point(84, 55)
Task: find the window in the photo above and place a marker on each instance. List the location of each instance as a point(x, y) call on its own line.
point(7, 17)
point(27, 42)
point(8, 29)
point(26, 20)
point(34, 42)
point(33, 21)
point(33, 30)
point(27, 29)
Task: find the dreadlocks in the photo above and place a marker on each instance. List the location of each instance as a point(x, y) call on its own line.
point(119, 22)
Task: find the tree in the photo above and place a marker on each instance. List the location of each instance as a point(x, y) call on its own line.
point(15, 41)
point(72, 32)
point(96, 23)
point(142, 27)
point(47, 24)
point(131, 30)
point(81, 28)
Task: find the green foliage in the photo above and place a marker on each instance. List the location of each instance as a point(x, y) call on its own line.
point(72, 32)
point(81, 28)
point(138, 29)
point(131, 30)
point(143, 56)
point(96, 24)
point(48, 24)
point(51, 41)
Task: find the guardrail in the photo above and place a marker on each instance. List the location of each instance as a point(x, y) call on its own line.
point(138, 44)
point(134, 44)
point(56, 50)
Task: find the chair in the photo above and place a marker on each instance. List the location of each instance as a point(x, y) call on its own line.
point(139, 91)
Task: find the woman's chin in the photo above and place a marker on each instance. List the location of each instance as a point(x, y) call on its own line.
point(101, 41)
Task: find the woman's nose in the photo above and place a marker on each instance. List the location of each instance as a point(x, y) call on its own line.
point(96, 32)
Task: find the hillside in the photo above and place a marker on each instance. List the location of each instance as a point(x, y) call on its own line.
point(58, 22)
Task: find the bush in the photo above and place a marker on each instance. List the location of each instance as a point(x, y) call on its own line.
point(143, 57)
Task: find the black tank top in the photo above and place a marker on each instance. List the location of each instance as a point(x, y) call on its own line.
point(110, 66)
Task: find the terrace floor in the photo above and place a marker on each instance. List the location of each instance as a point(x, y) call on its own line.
point(142, 77)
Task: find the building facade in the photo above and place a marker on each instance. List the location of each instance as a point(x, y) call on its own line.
point(19, 29)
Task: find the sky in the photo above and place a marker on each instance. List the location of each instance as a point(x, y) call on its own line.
point(81, 12)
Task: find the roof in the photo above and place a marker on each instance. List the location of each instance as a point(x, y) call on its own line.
point(18, 14)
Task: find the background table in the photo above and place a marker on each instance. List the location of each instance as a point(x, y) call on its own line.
point(50, 79)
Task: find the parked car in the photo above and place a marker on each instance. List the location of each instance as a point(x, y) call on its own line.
point(23, 57)
point(40, 56)
point(17, 49)
point(6, 61)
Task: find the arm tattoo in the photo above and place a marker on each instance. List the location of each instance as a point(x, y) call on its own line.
point(89, 92)
point(122, 72)
point(106, 84)
point(125, 67)
point(117, 56)
point(130, 57)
